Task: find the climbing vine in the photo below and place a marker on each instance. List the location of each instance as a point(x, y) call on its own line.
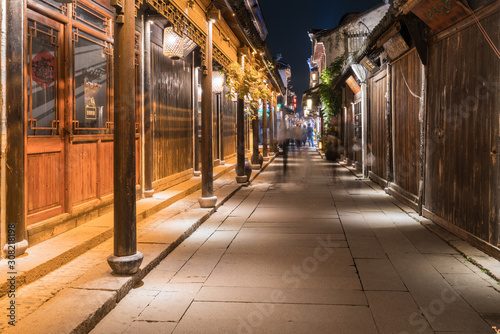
point(331, 99)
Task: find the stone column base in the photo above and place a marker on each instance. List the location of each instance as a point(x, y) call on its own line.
point(266, 158)
point(197, 173)
point(222, 162)
point(256, 166)
point(125, 265)
point(207, 202)
point(149, 193)
point(241, 179)
point(15, 250)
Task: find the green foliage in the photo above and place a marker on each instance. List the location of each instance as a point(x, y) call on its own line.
point(248, 82)
point(330, 98)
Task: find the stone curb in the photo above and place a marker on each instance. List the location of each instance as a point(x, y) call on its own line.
point(92, 316)
point(97, 316)
point(51, 264)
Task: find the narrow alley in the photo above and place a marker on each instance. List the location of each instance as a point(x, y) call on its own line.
point(317, 250)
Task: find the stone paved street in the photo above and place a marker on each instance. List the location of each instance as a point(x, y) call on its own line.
point(313, 251)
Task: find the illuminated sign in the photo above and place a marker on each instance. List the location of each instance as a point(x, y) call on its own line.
point(351, 82)
point(368, 64)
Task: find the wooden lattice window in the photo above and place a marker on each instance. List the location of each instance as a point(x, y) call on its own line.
point(42, 59)
point(92, 82)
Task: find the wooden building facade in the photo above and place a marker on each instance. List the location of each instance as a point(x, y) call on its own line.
point(433, 115)
point(67, 105)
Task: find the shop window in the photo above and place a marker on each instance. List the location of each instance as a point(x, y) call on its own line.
point(91, 77)
point(42, 79)
point(91, 18)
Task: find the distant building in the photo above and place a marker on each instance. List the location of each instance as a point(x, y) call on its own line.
point(343, 40)
point(285, 71)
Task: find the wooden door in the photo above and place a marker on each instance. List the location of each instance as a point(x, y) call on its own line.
point(44, 117)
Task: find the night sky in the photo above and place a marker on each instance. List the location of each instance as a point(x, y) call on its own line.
point(288, 23)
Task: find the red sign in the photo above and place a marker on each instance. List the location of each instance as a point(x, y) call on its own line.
point(43, 69)
point(351, 82)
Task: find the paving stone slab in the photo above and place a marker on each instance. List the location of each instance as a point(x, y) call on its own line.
point(480, 294)
point(447, 264)
point(131, 306)
point(379, 274)
point(68, 315)
point(365, 247)
point(167, 306)
point(276, 318)
point(396, 312)
point(293, 296)
point(442, 306)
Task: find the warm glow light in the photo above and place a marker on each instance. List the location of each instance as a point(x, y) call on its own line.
point(217, 81)
point(314, 76)
point(173, 44)
point(309, 104)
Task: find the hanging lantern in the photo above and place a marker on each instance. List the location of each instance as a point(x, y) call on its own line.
point(217, 81)
point(173, 44)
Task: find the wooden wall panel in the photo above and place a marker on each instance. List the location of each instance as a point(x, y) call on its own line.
point(406, 128)
point(377, 131)
point(463, 105)
point(172, 110)
point(83, 169)
point(349, 126)
point(105, 168)
point(44, 178)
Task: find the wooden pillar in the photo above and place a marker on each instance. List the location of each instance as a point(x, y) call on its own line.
point(207, 199)
point(196, 120)
point(275, 127)
point(222, 105)
point(264, 129)
point(125, 259)
point(388, 117)
point(240, 141)
point(256, 154)
point(421, 119)
point(364, 127)
point(271, 124)
point(148, 113)
point(15, 186)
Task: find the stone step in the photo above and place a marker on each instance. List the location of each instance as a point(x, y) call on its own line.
point(51, 254)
